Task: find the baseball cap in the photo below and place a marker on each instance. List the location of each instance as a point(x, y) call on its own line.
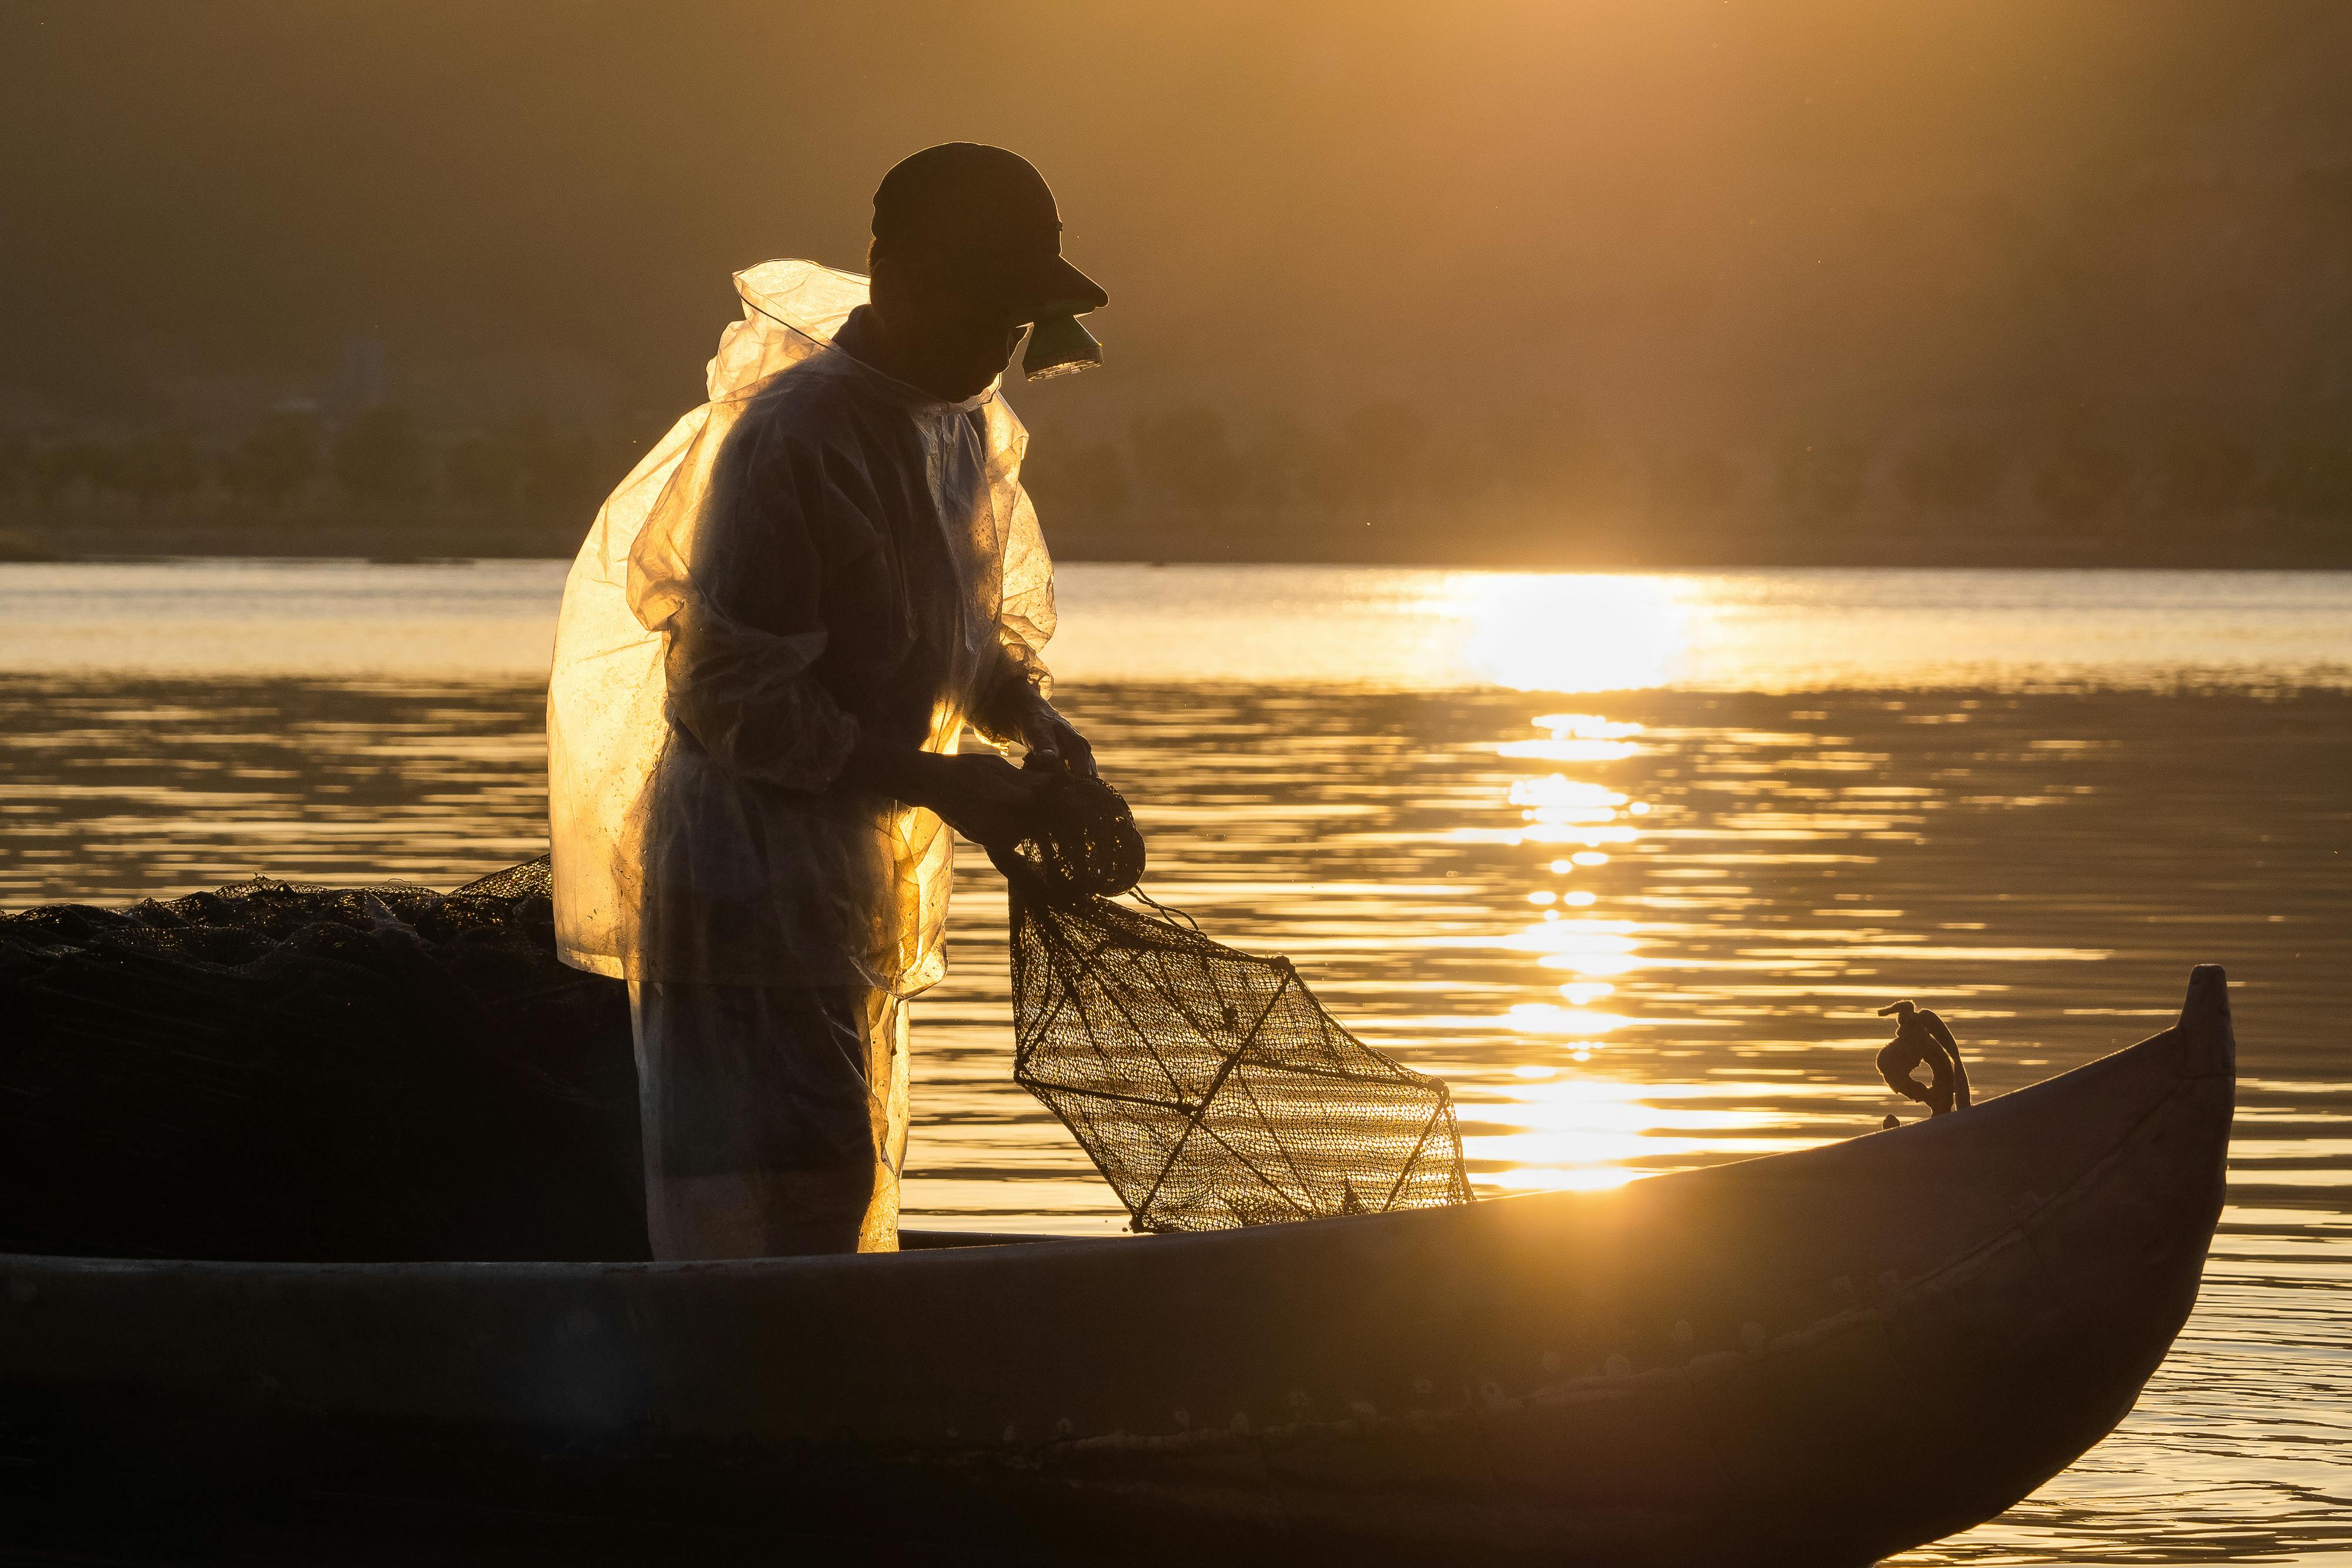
point(990, 209)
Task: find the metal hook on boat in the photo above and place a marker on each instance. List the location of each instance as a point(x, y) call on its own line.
point(1921, 1036)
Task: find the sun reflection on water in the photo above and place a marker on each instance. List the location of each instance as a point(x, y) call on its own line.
point(1588, 1133)
point(1559, 799)
point(1587, 946)
point(1563, 1126)
point(1549, 1018)
point(1576, 737)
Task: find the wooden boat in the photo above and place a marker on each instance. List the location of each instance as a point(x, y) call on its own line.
point(1813, 1358)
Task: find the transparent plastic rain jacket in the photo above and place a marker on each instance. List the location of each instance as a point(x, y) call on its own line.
point(817, 551)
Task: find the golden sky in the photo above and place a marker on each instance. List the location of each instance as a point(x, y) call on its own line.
point(1701, 216)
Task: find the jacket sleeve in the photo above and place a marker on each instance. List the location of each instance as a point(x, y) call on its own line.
point(1024, 622)
point(742, 605)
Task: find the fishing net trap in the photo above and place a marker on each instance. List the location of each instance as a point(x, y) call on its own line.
point(1208, 1085)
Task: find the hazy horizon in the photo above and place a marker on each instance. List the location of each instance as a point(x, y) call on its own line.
point(1669, 251)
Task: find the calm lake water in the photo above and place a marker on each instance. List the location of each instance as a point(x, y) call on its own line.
point(1631, 859)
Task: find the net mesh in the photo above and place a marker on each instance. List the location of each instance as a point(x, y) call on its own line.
point(1208, 1085)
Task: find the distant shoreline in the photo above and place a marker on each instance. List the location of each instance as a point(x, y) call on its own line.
point(2221, 548)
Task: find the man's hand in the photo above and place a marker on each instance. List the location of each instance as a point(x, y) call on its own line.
point(1051, 740)
point(983, 797)
point(987, 800)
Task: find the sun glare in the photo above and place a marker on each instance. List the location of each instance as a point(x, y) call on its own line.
point(1573, 632)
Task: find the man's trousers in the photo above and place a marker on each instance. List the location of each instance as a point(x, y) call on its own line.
point(774, 1118)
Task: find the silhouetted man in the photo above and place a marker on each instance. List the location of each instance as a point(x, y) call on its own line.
point(771, 643)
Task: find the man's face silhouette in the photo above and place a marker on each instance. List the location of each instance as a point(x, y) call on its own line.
point(950, 323)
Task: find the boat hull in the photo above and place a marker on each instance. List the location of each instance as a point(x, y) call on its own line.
point(1813, 1358)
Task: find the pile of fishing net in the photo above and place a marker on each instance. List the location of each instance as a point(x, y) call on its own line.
point(276, 1071)
point(282, 1072)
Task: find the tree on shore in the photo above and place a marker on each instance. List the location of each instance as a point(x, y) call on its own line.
point(1385, 446)
point(1819, 482)
point(1188, 455)
point(2202, 472)
point(155, 470)
point(1077, 483)
point(1701, 482)
point(380, 456)
point(2313, 478)
point(1956, 473)
point(276, 460)
point(484, 470)
point(563, 471)
point(2080, 480)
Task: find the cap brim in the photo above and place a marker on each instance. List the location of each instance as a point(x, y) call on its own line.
point(1057, 288)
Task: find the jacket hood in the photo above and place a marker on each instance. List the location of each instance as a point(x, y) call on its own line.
point(790, 310)
point(811, 299)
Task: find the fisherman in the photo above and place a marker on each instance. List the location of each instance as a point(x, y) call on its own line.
point(771, 643)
